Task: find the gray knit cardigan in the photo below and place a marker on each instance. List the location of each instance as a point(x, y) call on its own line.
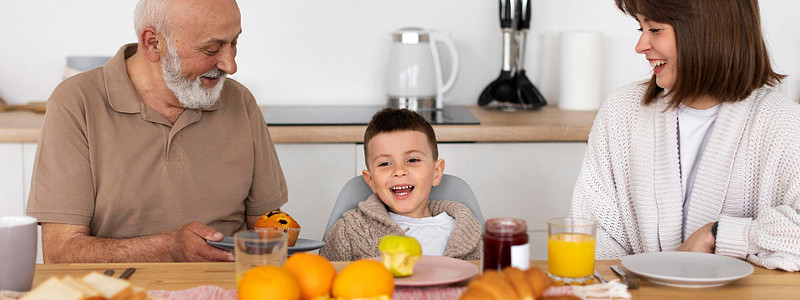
point(357, 233)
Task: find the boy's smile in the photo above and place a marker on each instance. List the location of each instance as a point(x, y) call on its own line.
point(401, 191)
point(401, 170)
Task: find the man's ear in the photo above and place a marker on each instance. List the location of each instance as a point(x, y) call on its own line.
point(438, 170)
point(151, 44)
point(368, 179)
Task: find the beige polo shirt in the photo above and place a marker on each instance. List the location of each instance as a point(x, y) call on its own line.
point(108, 161)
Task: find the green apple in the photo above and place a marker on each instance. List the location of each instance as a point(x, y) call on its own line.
point(399, 254)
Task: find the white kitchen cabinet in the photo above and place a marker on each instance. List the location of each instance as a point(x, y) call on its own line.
point(15, 181)
point(11, 180)
point(533, 181)
point(315, 173)
point(530, 181)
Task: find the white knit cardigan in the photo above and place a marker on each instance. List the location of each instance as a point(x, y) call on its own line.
point(748, 179)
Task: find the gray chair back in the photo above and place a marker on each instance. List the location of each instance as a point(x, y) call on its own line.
point(450, 188)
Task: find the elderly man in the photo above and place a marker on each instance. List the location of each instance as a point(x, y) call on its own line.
point(156, 152)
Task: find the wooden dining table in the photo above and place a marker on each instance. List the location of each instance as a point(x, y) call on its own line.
point(762, 284)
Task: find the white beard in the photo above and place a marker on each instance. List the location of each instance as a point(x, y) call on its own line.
point(189, 93)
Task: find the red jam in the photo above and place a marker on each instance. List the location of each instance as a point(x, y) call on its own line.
point(505, 243)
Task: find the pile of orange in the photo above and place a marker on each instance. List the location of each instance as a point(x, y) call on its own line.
point(310, 276)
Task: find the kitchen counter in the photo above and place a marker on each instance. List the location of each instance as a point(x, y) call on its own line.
point(549, 124)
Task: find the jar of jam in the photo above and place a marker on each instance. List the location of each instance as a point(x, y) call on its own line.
point(505, 243)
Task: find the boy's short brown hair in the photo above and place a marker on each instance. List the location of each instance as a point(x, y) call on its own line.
point(721, 51)
point(395, 119)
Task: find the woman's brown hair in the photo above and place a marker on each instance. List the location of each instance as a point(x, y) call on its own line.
point(721, 51)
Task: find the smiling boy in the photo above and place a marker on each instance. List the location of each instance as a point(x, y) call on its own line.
point(402, 166)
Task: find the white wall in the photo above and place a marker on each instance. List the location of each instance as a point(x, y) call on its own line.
point(324, 52)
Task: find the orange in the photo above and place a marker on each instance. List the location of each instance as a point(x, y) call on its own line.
point(313, 273)
point(268, 282)
point(364, 278)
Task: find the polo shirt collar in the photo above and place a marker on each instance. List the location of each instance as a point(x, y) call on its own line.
point(122, 96)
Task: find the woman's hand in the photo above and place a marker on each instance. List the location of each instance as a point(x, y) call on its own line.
point(700, 241)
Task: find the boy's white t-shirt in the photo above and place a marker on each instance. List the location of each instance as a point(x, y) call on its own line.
point(431, 232)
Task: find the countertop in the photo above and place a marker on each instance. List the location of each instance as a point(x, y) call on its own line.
point(548, 124)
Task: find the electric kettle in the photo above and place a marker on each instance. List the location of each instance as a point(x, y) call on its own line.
point(415, 79)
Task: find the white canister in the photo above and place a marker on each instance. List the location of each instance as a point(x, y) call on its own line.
point(581, 70)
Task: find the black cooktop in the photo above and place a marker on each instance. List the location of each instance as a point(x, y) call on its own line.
point(356, 115)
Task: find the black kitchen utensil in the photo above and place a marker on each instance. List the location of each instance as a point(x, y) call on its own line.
point(528, 93)
point(127, 273)
point(503, 89)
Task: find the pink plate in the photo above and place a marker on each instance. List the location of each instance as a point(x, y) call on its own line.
point(436, 270)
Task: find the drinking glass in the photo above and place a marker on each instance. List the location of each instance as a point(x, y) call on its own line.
point(570, 250)
point(255, 248)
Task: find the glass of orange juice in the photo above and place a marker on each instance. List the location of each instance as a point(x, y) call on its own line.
point(570, 250)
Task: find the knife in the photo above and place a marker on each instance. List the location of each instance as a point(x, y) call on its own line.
point(127, 273)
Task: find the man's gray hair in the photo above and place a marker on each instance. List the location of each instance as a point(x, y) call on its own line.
point(153, 13)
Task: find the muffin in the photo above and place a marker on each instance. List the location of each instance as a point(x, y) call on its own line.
point(280, 220)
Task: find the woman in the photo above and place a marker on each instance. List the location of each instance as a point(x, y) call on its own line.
point(703, 157)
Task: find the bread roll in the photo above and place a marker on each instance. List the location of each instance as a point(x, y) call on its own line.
point(510, 284)
point(494, 284)
point(519, 282)
point(539, 281)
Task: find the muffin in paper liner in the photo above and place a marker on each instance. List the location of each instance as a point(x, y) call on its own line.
point(280, 220)
point(293, 233)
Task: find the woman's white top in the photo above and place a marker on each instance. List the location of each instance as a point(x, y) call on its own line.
point(694, 128)
point(432, 233)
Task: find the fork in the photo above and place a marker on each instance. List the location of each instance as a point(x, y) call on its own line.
point(599, 277)
point(631, 280)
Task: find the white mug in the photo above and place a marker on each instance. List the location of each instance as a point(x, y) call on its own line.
point(17, 253)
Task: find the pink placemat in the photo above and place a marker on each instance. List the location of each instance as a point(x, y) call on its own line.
point(198, 293)
point(611, 290)
point(427, 293)
point(217, 293)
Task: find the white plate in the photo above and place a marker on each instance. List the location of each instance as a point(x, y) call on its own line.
point(687, 269)
point(301, 245)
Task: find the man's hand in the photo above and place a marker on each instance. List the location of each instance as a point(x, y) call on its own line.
point(65, 243)
point(189, 244)
point(700, 241)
